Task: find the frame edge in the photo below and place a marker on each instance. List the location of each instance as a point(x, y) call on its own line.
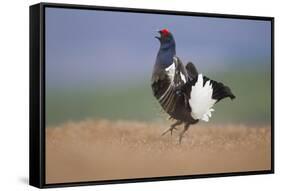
point(35, 129)
point(36, 140)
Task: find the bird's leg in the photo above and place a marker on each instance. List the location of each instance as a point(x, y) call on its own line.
point(185, 128)
point(172, 127)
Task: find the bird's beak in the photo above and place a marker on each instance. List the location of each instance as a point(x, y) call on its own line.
point(158, 37)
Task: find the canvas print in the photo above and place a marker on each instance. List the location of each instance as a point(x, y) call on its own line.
point(141, 95)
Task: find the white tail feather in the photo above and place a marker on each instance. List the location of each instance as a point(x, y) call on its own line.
point(201, 101)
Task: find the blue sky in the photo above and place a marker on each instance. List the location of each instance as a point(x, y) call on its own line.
point(100, 47)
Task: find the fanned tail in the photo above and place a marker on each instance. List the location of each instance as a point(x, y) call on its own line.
point(201, 101)
point(220, 91)
point(204, 94)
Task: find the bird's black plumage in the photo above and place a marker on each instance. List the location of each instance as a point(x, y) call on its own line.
point(173, 85)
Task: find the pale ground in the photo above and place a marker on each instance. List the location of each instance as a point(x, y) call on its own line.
point(103, 150)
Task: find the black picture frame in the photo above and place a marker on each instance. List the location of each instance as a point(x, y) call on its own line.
point(37, 95)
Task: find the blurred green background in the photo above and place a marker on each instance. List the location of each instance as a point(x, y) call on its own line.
point(252, 103)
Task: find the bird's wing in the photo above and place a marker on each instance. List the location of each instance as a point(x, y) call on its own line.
point(181, 75)
point(164, 90)
point(159, 82)
point(167, 84)
point(178, 77)
point(191, 71)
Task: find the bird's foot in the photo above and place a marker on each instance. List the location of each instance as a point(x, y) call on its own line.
point(169, 129)
point(180, 138)
point(186, 127)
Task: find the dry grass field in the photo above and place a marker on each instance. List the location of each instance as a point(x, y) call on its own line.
point(101, 150)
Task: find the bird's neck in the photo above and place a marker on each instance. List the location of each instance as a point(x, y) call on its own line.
point(170, 46)
point(165, 56)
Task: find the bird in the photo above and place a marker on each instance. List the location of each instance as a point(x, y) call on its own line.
point(184, 94)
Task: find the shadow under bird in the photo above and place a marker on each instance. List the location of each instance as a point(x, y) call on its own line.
point(183, 93)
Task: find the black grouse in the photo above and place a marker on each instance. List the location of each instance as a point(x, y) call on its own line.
point(184, 94)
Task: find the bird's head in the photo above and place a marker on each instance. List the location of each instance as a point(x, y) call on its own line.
point(166, 38)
